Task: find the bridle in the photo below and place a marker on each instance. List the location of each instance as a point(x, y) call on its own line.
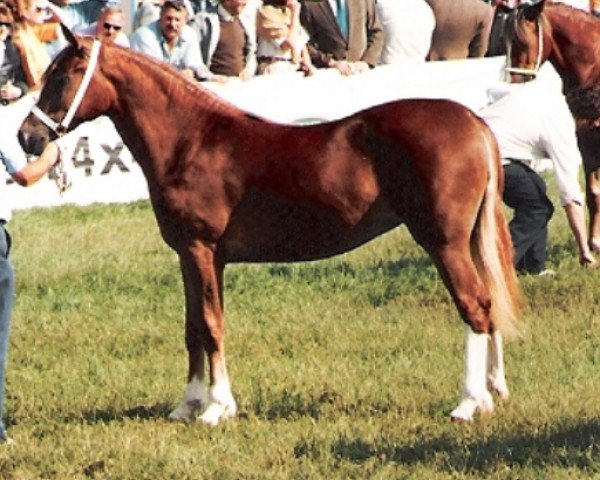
point(529, 72)
point(60, 128)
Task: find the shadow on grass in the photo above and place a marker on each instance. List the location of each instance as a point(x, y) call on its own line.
point(575, 446)
point(140, 412)
point(389, 267)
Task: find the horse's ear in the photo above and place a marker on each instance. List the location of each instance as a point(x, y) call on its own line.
point(69, 35)
point(533, 9)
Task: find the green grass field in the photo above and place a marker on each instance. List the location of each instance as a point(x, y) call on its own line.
point(346, 368)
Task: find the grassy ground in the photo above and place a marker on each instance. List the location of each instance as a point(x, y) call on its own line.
point(346, 368)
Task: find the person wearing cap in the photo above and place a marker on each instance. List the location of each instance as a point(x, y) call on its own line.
point(13, 84)
point(170, 39)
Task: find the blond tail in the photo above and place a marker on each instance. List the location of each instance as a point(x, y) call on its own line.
point(492, 251)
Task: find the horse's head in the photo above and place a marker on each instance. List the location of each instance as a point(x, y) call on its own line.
point(67, 97)
point(526, 43)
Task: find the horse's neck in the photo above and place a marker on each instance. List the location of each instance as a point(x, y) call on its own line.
point(575, 48)
point(156, 111)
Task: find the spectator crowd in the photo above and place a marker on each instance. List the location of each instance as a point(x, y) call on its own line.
point(217, 40)
point(214, 40)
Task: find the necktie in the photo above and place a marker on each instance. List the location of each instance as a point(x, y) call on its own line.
point(342, 17)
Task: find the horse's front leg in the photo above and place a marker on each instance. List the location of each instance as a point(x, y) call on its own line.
point(204, 334)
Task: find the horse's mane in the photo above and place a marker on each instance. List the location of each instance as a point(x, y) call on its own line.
point(168, 75)
point(572, 13)
point(164, 73)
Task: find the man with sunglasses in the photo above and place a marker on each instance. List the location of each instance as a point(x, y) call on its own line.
point(78, 15)
point(109, 27)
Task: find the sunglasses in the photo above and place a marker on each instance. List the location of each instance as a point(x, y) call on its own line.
point(110, 26)
point(5, 24)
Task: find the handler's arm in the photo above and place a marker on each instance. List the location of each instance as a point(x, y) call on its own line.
point(35, 170)
point(576, 217)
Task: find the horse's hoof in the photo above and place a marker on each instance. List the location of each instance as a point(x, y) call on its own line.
point(216, 412)
point(186, 411)
point(500, 388)
point(465, 411)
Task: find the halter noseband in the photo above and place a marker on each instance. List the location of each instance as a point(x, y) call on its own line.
point(531, 72)
point(60, 128)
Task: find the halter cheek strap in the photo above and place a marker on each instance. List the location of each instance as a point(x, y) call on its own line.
point(532, 72)
point(63, 126)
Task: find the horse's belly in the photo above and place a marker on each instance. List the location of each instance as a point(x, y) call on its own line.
point(276, 230)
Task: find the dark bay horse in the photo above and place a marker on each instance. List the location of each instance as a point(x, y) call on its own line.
point(227, 186)
point(570, 40)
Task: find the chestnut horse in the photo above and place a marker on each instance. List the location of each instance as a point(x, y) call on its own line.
point(570, 40)
point(227, 186)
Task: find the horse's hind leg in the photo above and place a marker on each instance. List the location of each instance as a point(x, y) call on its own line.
point(204, 334)
point(475, 393)
point(454, 262)
point(496, 375)
point(593, 202)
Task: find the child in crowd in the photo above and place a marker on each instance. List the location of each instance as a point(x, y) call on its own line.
point(281, 39)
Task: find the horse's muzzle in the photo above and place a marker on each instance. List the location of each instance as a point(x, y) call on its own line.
point(32, 141)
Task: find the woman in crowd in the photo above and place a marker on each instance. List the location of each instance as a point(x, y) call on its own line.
point(34, 27)
point(12, 77)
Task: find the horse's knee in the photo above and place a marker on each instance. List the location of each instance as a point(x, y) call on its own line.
point(476, 312)
point(202, 338)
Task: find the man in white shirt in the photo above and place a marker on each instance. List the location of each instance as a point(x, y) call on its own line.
point(407, 29)
point(531, 122)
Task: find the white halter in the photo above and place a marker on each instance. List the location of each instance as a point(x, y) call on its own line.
point(60, 128)
point(532, 72)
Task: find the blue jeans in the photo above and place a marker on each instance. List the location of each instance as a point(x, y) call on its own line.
point(7, 288)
